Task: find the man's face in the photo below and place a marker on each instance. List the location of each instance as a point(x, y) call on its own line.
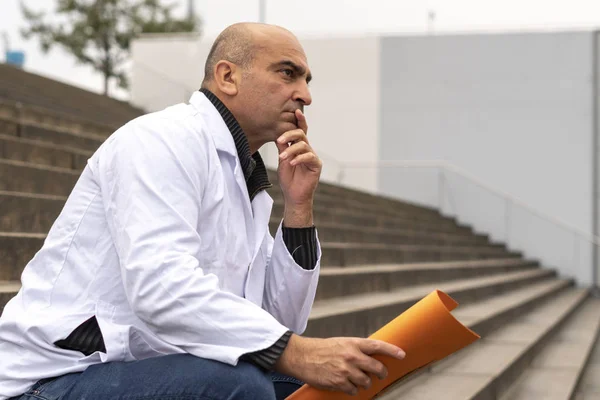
point(274, 87)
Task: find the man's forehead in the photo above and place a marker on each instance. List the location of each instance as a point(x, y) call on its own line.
point(280, 53)
point(276, 45)
point(278, 39)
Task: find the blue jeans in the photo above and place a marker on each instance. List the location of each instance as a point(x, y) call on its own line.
point(172, 377)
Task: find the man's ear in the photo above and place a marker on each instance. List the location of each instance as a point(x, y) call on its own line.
point(226, 77)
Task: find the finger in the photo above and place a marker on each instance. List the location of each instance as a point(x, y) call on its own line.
point(296, 135)
point(309, 160)
point(281, 147)
point(294, 150)
point(371, 346)
point(359, 379)
point(372, 366)
point(301, 121)
point(349, 388)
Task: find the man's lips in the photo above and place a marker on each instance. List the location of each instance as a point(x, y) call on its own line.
point(290, 116)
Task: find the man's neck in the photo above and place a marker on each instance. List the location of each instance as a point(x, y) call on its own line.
point(255, 145)
point(255, 141)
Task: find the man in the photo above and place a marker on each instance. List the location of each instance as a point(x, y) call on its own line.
point(160, 280)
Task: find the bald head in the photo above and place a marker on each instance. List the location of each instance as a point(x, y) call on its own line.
point(238, 44)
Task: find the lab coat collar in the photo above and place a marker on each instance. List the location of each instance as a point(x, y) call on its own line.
point(242, 146)
point(259, 209)
point(253, 167)
point(216, 125)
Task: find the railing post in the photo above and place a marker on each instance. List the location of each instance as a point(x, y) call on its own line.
point(340, 175)
point(575, 254)
point(441, 189)
point(595, 284)
point(507, 221)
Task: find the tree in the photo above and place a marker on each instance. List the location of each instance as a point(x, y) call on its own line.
point(99, 32)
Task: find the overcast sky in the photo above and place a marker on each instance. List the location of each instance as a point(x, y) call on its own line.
point(329, 17)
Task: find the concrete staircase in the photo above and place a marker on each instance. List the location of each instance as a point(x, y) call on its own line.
point(17, 85)
point(380, 256)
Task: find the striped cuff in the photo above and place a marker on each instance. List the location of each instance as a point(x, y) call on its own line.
point(267, 358)
point(302, 245)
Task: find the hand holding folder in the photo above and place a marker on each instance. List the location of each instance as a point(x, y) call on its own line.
point(427, 332)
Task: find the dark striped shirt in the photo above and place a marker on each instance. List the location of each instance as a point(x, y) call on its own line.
point(300, 242)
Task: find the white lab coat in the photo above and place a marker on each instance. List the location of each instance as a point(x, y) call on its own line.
point(160, 242)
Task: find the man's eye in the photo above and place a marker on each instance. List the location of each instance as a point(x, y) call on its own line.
point(288, 72)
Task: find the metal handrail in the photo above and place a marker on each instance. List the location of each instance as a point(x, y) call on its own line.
point(459, 171)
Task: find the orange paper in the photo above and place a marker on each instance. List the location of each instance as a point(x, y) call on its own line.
point(427, 332)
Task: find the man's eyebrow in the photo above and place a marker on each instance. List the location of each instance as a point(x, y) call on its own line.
point(297, 68)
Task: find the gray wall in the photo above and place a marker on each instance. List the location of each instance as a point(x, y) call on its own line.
point(513, 109)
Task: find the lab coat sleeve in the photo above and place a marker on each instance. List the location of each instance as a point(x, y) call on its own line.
point(289, 289)
point(152, 184)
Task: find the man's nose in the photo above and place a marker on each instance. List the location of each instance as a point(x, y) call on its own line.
point(302, 95)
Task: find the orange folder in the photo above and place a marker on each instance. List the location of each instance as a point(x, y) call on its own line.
point(427, 332)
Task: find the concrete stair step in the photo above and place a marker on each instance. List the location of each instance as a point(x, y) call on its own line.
point(8, 289)
point(54, 135)
point(353, 281)
point(19, 176)
point(361, 315)
point(588, 387)
point(31, 212)
point(364, 197)
point(39, 152)
point(343, 196)
point(12, 113)
point(346, 254)
point(343, 200)
point(28, 212)
point(18, 248)
point(44, 179)
point(555, 371)
point(487, 368)
point(332, 232)
point(339, 213)
point(43, 150)
point(349, 216)
point(496, 310)
point(347, 281)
